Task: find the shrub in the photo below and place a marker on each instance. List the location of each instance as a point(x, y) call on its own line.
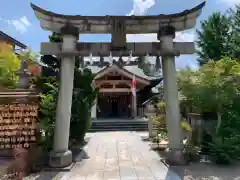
point(47, 119)
point(224, 150)
point(224, 144)
point(9, 65)
point(82, 101)
point(84, 96)
point(186, 126)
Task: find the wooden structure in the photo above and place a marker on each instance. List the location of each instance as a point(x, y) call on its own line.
point(115, 99)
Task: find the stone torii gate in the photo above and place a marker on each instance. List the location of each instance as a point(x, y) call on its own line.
point(71, 26)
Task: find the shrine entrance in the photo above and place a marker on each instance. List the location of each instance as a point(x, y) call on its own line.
point(114, 105)
point(115, 98)
point(70, 26)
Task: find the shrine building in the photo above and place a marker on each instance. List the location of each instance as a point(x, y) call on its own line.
point(115, 98)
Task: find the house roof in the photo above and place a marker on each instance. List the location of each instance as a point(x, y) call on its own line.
point(160, 95)
point(129, 68)
point(4, 36)
point(157, 95)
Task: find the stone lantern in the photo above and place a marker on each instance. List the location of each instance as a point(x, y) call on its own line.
point(23, 74)
point(196, 122)
point(149, 111)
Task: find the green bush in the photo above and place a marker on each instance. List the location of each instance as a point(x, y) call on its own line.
point(47, 119)
point(192, 151)
point(9, 65)
point(81, 118)
point(224, 148)
point(186, 126)
point(83, 99)
point(84, 96)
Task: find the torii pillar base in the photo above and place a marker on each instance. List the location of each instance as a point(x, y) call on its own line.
point(60, 159)
point(175, 157)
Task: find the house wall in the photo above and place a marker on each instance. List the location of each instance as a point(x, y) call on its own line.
point(5, 44)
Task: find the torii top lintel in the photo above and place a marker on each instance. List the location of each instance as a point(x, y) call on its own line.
point(132, 24)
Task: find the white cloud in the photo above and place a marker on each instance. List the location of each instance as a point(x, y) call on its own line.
point(21, 24)
point(25, 21)
point(140, 7)
point(188, 36)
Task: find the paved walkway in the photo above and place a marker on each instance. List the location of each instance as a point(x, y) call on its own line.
point(118, 156)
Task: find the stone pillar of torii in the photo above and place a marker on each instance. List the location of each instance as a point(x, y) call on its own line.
point(71, 26)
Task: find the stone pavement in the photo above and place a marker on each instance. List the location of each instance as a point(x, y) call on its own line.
point(116, 156)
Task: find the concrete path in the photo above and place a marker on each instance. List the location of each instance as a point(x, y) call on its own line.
point(118, 156)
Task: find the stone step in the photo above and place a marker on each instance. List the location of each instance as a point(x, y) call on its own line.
point(118, 125)
point(118, 129)
point(95, 121)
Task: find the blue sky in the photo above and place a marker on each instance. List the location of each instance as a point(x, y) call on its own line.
point(18, 20)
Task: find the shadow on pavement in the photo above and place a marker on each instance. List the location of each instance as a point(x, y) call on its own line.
point(43, 176)
point(202, 171)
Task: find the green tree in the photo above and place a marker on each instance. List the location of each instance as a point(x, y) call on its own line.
point(9, 65)
point(32, 57)
point(213, 87)
point(144, 64)
point(55, 37)
point(235, 41)
point(219, 36)
point(214, 38)
point(84, 94)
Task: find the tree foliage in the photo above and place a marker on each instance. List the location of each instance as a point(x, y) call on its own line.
point(214, 38)
point(219, 36)
point(83, 99)
point(213, 86)
point(144, 64)
point(235, 40)
point(9, 65)
point(31, 57)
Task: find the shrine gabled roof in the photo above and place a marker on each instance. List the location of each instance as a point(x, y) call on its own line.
point(133, 24)
point(135, 70)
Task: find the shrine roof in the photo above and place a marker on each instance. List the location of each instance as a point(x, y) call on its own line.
point(130, 68)
point(133, 24)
